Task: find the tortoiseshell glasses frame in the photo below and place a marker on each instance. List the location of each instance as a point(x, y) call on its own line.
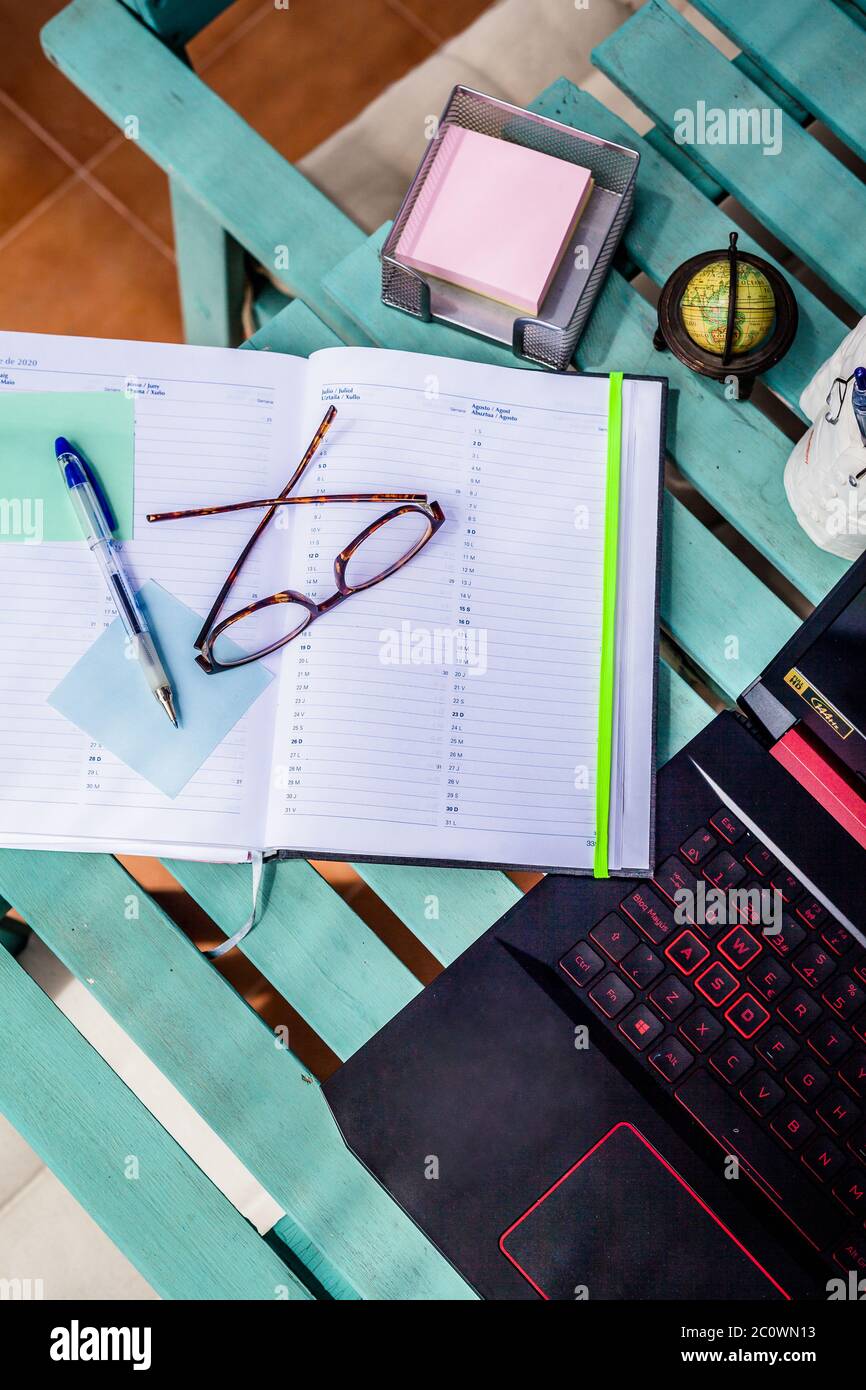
point(408, 502)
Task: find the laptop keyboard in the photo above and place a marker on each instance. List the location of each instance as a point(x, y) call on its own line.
point(760, 1034)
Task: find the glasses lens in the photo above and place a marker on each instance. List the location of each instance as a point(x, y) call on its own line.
point(256, 633)
point(836, 398)
point(386, 547)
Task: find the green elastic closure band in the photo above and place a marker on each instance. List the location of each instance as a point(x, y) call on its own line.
point(608, 627)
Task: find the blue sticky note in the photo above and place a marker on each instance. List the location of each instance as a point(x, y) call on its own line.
point(106, 695)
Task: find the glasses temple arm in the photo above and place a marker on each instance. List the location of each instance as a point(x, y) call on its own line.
point(290, 502)
point(311, 450)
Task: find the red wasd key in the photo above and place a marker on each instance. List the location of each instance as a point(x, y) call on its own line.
point(687, 952)
point(747, 1015)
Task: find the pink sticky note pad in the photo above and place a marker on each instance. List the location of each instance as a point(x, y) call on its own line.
point(494, 217)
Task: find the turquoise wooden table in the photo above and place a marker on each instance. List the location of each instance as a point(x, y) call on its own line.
point(341, 1235)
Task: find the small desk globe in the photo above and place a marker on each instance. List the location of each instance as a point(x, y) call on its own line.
point(704, 307)
point(727, 314)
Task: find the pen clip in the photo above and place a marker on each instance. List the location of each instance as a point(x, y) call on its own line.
point(101, 498)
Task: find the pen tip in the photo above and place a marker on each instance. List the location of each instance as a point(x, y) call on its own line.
point(62, 446)
point(164, 696)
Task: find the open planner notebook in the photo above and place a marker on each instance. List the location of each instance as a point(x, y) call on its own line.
point(452, 713)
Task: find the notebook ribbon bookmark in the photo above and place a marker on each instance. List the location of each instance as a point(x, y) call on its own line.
point(257, 860)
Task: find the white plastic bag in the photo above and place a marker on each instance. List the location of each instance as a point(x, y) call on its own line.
point(829, 509)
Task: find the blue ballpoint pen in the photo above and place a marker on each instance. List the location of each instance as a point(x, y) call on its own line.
point(97, 524)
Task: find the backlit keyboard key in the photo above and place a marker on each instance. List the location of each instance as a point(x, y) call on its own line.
point(814, 964)
point(641, 1027)
point(747, 1015)
point(732, 1062)
point(750, 902)
point(647, 911)
point(739, 947)
point(799, 1010)
point(759, 858)
point(837, 937)
point(642, 966)
point(850, 1191)
point(777, 1047)
point(671, 997)
point(762, 1094)
point(807, 1080)
point(611, 994)
point(698, 846)
point(793, 1126)
point(858, 1026)
point(838, 1111)
point(582, 964)
point(715, 918)
point(824, 1159)
point(785, 883)
point(812, 912)
point(769, 979)
point(701, 1029)
point(717, 983)
point(845, 996)
point(613, 936)
point(672, 1058)
point(673, 877)
point(830, 1042)
point(853, 1073)
point(851, 1254)
point(687, 952)
point(724, 871)
point(785, 941)
point(727, 825)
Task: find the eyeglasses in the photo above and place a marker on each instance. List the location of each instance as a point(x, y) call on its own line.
point(382, 548)
point(836, 398)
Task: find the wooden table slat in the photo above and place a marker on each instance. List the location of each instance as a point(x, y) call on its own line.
point(183, 1235)
point(309, 945)
point(801, 193)
point(816, 53)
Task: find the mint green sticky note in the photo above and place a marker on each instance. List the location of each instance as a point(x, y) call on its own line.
point(33, 502)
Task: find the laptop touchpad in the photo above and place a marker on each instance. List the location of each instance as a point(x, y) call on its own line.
point(621, 1223)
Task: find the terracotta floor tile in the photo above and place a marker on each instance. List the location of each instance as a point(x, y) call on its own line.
point(301, 73)
point(81, 268)
point(139, 184)
point(29, 170)
point(442, 19)
point(225, 30)
point(39, 87)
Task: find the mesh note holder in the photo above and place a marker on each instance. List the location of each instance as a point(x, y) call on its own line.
point(550, 338)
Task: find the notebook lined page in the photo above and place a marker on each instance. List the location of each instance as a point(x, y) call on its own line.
point(210, 427)
point(451, 711)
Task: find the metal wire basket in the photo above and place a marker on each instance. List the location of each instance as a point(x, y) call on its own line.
point(549, 339)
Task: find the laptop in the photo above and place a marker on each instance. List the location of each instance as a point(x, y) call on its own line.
point(657, 1089)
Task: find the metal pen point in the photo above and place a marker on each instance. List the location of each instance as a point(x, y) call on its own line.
point(163, 694)
point(94, 516)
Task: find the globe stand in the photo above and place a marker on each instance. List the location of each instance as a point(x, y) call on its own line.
point(744, 366)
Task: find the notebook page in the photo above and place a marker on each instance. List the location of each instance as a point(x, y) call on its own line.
point(212, 425)
point(451, 711)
